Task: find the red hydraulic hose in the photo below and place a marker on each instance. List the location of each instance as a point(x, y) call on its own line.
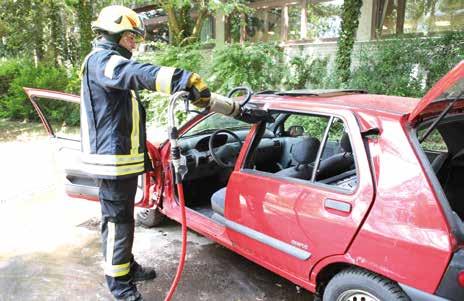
point(180, 267)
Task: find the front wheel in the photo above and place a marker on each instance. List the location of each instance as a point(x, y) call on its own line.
point(361, 285)
point(149, 218)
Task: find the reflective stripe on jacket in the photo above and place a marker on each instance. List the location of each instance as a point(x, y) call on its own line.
point(112, 118)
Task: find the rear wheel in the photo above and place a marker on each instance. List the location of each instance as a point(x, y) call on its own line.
point(361, 285)
point(149, 218)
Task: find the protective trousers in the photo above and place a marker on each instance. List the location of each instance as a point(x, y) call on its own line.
point(117, 206)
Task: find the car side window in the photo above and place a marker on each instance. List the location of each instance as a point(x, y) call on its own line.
point(293, 153)
point(337, 165)
point(312, 125)
point(64, 117)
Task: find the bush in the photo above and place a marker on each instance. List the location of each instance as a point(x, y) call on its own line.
point(407, 66)
point(14, 104)
point(189, 57)
point(306, 72)
point(259, 66)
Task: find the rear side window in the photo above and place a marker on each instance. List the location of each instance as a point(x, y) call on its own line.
point(313, 126)
point(312, 148)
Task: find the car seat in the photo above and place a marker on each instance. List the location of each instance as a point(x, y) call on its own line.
point(303, 152)
point(338, 163)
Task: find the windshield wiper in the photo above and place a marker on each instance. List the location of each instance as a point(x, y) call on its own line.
point(439, 118)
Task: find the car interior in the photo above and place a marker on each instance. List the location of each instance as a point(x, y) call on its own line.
point(286, 148)
point(444, 149)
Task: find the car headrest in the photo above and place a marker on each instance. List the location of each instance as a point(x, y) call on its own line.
point(305, 151)
point(345, 143)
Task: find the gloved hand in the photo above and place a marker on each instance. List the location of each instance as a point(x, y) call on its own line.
point(199, 95)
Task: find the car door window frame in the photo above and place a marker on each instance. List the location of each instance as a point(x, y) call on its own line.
point(319, 185)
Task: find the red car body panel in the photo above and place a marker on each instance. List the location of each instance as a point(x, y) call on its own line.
point(405, 236)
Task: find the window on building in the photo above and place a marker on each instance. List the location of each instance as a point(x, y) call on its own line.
point(264, 25)
point(291, 20)
point(324, 19)
point(294, 22)
point(419, 16)
point(207, 30)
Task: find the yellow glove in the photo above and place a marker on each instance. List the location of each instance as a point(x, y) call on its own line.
point(199, 95)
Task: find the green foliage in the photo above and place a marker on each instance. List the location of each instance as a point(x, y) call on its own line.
point(189, 57)
point(156, 105)
point(351, 11)
point(16, 74)
point(305, 72)
point(407, 66)
point(258, 66)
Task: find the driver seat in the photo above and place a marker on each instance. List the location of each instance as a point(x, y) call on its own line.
point(303, 152)
point(218, 200)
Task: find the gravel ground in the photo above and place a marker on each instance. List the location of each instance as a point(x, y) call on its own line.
point(50, 247)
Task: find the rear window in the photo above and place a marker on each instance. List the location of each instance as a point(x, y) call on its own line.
point(434, 141)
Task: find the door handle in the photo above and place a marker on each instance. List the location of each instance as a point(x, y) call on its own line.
point(337, 205)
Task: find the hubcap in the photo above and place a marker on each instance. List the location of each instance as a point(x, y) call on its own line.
point(357, 295)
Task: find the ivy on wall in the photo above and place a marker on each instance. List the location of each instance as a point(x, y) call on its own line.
point(351, 11)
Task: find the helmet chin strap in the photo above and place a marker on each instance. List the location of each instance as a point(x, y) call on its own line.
point(115, 37)
point(114, 40)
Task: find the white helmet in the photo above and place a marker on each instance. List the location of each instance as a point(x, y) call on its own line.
point(116, 19)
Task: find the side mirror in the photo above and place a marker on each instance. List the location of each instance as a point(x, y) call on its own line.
point(296, 131)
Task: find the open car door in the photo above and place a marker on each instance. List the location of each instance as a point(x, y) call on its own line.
point(77, 183)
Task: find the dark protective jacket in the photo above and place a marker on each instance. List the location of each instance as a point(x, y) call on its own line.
point(112, 118)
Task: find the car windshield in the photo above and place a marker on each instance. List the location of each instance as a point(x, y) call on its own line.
point(216, 122)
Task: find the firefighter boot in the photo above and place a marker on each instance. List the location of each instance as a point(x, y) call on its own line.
point(136, 296)
point(140, 273)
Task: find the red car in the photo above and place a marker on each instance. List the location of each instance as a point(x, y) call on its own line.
point(350, 195)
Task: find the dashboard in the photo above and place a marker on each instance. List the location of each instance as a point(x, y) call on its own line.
point(198, 157)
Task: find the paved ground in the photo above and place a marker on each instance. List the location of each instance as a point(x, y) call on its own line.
point(50, 247)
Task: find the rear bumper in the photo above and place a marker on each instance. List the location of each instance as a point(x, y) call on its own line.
point(418, 295)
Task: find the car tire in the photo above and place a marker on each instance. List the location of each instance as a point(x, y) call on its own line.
point(358, 284)
point(149, 218)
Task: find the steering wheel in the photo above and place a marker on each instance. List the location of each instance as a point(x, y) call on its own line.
point(246, 90)
point(221, 155)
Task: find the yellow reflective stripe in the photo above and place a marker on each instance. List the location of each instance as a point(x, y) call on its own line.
point(110, 244)
point(111, 65)
point(122, 170)
point(117, 270)
point(135, 135)
point(112, 159)
point(164, 79)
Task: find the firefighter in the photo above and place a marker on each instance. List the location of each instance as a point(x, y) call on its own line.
point(113, 134)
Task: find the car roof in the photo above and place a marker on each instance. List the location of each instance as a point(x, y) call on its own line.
point(396, 105)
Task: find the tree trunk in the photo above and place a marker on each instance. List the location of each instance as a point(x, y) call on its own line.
point(57, 41)
point(84, 19)
point(37, 30)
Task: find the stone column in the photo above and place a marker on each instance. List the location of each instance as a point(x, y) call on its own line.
point(220, 29)
point(366, 21)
